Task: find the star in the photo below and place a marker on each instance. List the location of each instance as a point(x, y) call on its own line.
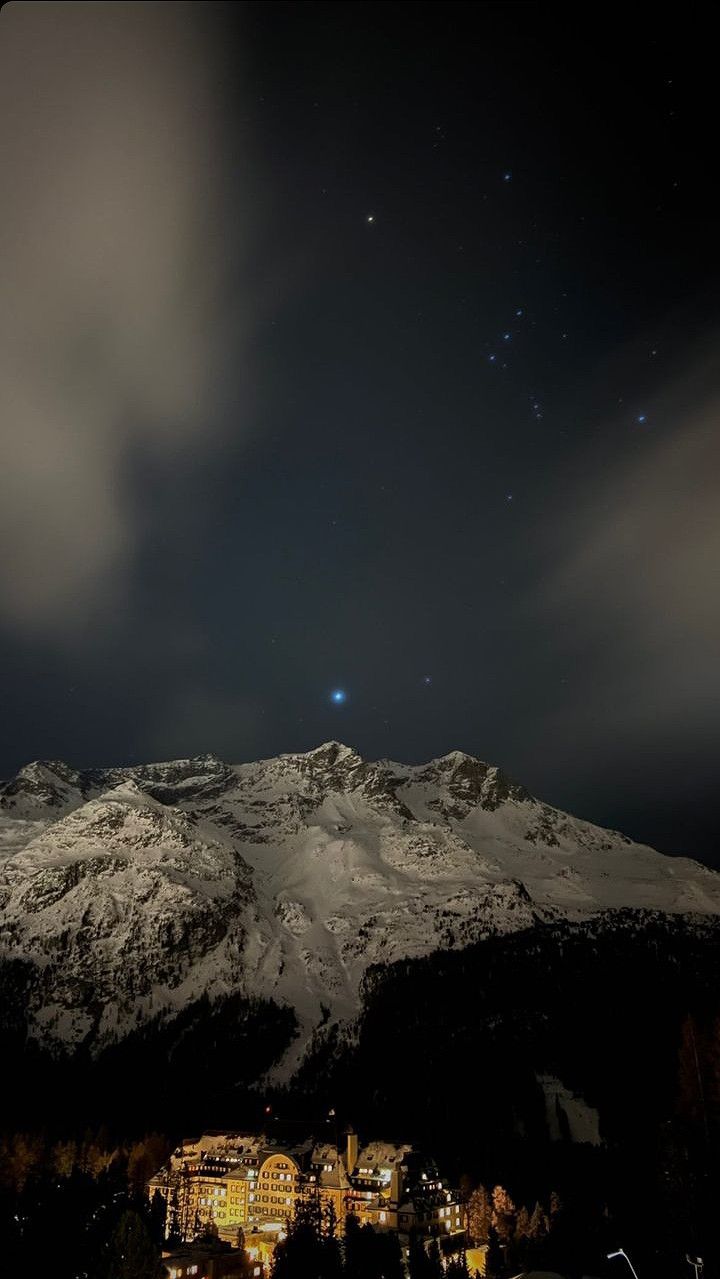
point(507, 176)
point(370, 218)
point(508, 497)
point(642, 417)
point(519, 313)
point(492, 358)
point(338, 697)
point(427, 679)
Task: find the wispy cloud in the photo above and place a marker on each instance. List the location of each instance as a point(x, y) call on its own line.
point(632, 595)
point(112, 258)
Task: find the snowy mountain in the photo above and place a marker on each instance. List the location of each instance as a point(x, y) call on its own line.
point(131, 892)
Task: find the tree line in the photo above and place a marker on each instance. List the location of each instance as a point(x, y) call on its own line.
point(85, 1201)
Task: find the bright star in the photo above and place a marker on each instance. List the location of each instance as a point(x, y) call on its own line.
point(427, 679)
point(642, 417)
point(507, 177)
point(492, 358)
point(506, 337)
point(338, 696)
point(370, 217)
point(519, 313)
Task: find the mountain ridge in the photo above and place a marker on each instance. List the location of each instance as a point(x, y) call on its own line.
point(134, 891)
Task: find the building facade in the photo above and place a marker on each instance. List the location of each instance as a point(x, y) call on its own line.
point(233, 1182)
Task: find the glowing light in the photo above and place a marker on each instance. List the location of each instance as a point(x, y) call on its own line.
point(338, 696)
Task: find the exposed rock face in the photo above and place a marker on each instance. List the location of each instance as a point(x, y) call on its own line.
point(133, 891)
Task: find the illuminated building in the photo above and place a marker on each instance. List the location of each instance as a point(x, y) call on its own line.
point(234, 1182)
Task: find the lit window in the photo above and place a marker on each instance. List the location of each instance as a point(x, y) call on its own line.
point(383, 1216)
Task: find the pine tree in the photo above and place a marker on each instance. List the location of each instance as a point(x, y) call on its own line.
point(493, 1258)
point(389, 1256)
point(21, 1157)
point(417, 1259)
point(328, 1219)
point(435, 1266)
point(353, 1248)
point(64, 1157)
point(332, 1262)
point(310, 1248)
point(522, 1247)
point(144, 1158)
point(539, 1224)
point(158, 1217)
point(132, 1253)
point(479, 1214)
point(504, 1211)
point(692, 1083)
point(522, 1224)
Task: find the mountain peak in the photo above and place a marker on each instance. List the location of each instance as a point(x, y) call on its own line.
point(328, 756)
point(289, 878)
point(334, 752)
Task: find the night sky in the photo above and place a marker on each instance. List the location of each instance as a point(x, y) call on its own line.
point(372, 348)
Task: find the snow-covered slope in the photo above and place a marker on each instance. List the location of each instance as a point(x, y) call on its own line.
point(135, 890)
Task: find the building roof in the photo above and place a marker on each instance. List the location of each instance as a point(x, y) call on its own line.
point(382, 1154)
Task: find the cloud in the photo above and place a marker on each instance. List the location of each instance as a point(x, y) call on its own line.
point(112, 239)
point(632, 597)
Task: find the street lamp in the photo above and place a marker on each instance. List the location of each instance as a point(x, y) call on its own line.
point(622, 1253)
point(696, 1263)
